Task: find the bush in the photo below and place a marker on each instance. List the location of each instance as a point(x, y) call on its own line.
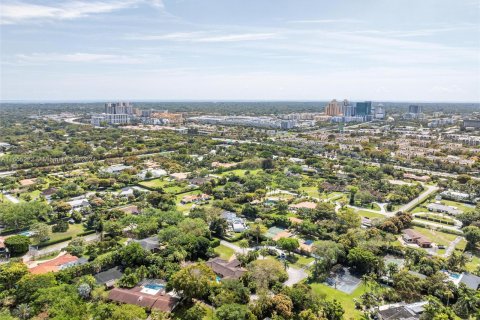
point(49, 243)
point(17, 244)
point(61, 226)
point(214, 243)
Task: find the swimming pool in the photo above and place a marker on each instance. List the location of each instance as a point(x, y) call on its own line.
point(154, 286)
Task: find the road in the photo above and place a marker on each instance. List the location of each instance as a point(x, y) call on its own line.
point(424, 195)
point(294, 275)
point(56, 247)
point(12, 198)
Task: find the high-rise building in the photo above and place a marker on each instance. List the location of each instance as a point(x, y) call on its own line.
point(118, 108)
point(379, 112)
point(364, 108)
point(349, 110)
point(333, 108)
point(413, 108)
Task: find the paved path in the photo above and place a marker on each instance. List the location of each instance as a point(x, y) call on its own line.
point(12, 198)
point(295, 276)
point(234, 247)
point(452, 246)
point(56, 247)
point(424, 195)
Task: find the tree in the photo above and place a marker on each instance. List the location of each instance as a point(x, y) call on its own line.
point(327, 253)
point(266, 273)
point(362, 260)
point(41, 232)
point(256, 230)
point(472, 234)
point(18, 244)
point(407, 286)
point(282, 305)
point(333, 310)
point(288, 244)
point(197, 312)
point(233, 312)
point(468, 302)
point(10, 273)
point(128, 312)
point(194, 281)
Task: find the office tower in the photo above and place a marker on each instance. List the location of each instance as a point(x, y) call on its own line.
point(364, 108)
point(379, 112)
point(349, 110)
point(413, 108)
point(333, 108)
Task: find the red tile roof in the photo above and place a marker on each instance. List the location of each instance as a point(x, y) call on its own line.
point(53, 265)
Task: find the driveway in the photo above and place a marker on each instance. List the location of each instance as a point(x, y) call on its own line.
point(295, 276)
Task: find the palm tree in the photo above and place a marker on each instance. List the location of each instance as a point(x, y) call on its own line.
point(243, 244)
point(23, 311)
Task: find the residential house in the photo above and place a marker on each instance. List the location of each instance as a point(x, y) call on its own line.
point(150, 244)
point(414, 237)
point(57, 264)
point(401, 311)
point(226, 269)
point(115, 169)
point(153, 173)
point(78, 203)
point(142, 297)
point(438, 207)
point(108, 277)
point(195, 198)
point(470, 280)
point(235, 223)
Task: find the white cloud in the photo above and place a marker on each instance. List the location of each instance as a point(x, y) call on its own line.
point(207, 37)
point(321, 21)
point(79, 57)
point(14, 12)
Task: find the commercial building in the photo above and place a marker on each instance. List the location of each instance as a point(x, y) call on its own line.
point(471, 124)
point(119, 108)
point(364, 108)
point(414, 108)
point(334, 108)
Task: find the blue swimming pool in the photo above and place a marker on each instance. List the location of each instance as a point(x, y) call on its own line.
point(455, 275)
point(308, 242)
point(155, 286)
point(218, 279)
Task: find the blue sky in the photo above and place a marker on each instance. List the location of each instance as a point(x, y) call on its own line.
point(389, 50)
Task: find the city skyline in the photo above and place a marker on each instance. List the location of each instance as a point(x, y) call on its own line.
point(140, 50)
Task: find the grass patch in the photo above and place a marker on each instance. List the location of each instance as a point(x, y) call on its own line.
point(224, 252)
point(154, 184)
point(438, 237)
point(370, 215)
point(73, 230)
point(474, 263)
point(345, 299)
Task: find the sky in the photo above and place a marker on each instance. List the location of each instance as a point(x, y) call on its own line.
point(139, 50)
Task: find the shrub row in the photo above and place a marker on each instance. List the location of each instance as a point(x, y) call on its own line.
point(49, 243)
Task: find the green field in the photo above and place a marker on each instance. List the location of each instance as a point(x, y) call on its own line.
point(345, 299)
point(73, 230)
point(473, 265)
point(154, 184)
point(436, 236)
point(311, 191)
point(239, 172)
point(370, 215)
point(434, 218)
point(224, 252)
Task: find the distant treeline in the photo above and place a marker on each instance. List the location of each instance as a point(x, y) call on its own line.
point(227, 107)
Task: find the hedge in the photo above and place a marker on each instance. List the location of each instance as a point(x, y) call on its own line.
point(86, 233)
point(49, 243)
point(6, 232)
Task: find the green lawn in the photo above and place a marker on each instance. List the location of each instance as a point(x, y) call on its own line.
point(370, 215)
point(302, 261)
point(154, 184)
point(73, 230)
point(240, 172)
point(345, 299)
point(436, 236)
point(224, 252)
point(473, 265)
point(311, 191)
point(431, 217)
